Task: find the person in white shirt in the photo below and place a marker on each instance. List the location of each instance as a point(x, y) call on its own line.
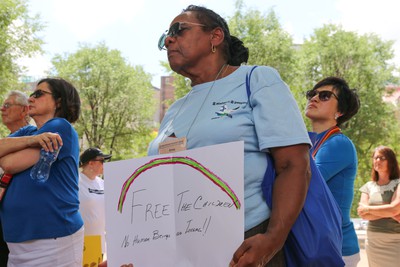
point(91, 192)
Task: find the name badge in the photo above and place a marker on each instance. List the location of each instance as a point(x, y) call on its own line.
point(172, 145)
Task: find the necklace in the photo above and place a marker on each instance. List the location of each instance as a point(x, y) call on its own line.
point(184, 102)
point(208, 93)
point(179, 143)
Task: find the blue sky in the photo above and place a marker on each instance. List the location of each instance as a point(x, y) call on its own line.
point(134, 26)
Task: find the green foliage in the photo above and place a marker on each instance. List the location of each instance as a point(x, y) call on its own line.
point(117, 99)
point(18, 39)
point(268, 43)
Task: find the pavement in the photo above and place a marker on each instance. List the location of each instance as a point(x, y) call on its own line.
point(363, 254)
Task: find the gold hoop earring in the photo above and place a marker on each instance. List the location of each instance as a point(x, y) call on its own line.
point(213, 49)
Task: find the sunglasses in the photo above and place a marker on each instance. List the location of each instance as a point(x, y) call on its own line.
point(39, 93)
point(322, 95)
point(175, 30)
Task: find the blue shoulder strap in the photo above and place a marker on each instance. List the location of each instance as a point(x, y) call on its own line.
point(248, 76)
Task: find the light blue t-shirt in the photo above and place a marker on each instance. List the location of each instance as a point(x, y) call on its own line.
point(337, 161)
point(216, 113)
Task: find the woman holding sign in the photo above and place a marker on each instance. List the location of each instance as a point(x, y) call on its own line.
point(218, 110)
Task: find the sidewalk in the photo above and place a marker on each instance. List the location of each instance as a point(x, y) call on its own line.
point(363, 254)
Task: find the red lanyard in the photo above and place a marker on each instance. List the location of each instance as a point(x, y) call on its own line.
point(329, 133)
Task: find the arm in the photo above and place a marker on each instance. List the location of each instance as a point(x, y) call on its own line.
point(293, 175)
point(20, 160)
point(362, 212)
point(336, 154)
point(47, 141)
point(382, 211)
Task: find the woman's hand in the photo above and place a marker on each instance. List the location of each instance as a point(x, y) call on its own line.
point(255, 251)
point(362, 209)
point(48, 141)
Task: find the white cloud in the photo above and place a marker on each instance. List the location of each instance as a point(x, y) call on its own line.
point(381, 16)
point(85, 18)
point(36, 66)
point(367, 16)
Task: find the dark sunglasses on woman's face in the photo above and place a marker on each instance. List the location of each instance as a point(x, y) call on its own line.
point(39, 93)
point(174, 30)
point(322, 95)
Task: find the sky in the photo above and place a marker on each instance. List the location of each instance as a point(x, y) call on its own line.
point(134, 26)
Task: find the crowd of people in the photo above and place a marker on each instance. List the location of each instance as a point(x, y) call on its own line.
point(199, 47)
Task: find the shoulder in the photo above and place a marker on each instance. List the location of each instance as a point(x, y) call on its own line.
point(367, 186)
point(24, 131)
point(267, 80)
point(100, 180)
point(260, 73)
point(341, 141)
point(55, 124)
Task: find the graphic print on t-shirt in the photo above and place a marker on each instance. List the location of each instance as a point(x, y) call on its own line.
point(96, 191)
point(226, 108)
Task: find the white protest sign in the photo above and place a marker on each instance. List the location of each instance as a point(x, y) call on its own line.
point(181, 209)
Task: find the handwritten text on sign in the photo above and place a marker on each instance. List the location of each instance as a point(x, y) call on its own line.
point(181, 209)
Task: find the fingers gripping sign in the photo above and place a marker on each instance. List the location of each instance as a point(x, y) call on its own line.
point(255, 251)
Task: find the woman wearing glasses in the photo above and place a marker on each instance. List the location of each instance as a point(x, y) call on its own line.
point(41, 221)
point(218, 110)
point(380, 204)
point(331, 103)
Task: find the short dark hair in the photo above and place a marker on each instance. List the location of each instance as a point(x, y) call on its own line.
point(393, 165)
point(349, 102)
point(66, 93)
point(235, 53)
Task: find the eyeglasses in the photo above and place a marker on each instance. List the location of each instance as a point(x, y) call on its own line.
point(379, 158)
point(39, 93)
point(8, 105)
point(175, 30)
point(322, 95)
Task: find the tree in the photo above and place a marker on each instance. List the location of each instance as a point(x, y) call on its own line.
point(18, 39)
point(269, 44)
point(117, 99)
point(363, 61)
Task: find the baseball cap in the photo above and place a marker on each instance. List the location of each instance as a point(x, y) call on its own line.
point(92, 153)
